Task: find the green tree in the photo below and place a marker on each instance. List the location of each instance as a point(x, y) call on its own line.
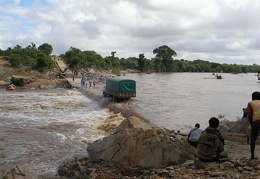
point(236, 68)
point(141, 62)
point(129, 63)
point(181, 65)
point(1, 52)
point(74, 58)
point(158, 67)
point(32, 46)
point(92, 59)
point(43, 62)
point(165, 53)
point(31, 50)
point(191, 68)
point(18, 48)
point(148, 66)
point(15, 60)
point(45, 48)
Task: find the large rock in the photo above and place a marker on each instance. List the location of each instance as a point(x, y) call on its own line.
point(10, 87)
point(238, 126)
point(20, 172)
point(136, 143)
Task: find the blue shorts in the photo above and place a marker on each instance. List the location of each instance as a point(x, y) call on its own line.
point(255, 131)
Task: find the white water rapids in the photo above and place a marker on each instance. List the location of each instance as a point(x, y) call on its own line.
point(43, 128)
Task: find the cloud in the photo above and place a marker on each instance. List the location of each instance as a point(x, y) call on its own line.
point(220, 31)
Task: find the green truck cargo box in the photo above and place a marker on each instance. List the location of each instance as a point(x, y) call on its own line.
point(120, 88)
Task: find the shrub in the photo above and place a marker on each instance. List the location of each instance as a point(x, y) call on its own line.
point(17, 81)
point(43, 62)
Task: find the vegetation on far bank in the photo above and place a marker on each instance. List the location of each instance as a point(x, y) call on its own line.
point(39, 58)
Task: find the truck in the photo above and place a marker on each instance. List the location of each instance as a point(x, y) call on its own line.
point(119, 88)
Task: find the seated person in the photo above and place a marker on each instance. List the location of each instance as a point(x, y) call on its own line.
point(211, 142)
point(194, 135)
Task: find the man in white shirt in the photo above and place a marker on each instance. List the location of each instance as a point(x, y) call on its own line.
point(194, 135)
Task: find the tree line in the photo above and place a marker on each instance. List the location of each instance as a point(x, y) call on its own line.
point(31, 56)
point(40, 58)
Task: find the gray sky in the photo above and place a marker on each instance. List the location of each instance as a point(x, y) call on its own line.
point(222, 31)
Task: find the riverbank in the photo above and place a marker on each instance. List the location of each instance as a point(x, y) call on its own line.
point(33, 79)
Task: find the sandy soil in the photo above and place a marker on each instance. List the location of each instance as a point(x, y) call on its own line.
point(47, 79)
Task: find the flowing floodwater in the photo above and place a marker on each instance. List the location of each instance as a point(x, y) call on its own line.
point(179, 100)
point(45, 127)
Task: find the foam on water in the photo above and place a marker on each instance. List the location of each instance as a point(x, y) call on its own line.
point(44, 128)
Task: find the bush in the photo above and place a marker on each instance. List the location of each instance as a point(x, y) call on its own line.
point(7, 58)
point(17, 81)
point(15, 60)
point(43, 62)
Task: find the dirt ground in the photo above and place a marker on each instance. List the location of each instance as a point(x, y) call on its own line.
point(6, 71)
point(48, 78)
point(237, 147)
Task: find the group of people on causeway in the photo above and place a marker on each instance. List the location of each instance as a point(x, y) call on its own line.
point(87, 81)
point(210, 142)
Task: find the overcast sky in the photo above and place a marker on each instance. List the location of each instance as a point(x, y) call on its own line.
point(222, 31)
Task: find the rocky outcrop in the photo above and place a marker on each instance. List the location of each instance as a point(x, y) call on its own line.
point(10, 87)
point(123, 153)
point(139, 144)
point(238, 126)
point(20, 172)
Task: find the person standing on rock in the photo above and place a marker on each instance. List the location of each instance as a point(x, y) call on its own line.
point(211, 143)
point(194, 135)
point(253, 113)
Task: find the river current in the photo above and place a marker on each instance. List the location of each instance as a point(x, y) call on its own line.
point(43, 128)
point(180, 100)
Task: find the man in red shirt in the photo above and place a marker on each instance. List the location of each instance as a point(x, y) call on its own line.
point(253, 112)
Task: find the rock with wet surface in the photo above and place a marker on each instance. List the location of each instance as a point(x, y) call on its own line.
point(20, 172)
